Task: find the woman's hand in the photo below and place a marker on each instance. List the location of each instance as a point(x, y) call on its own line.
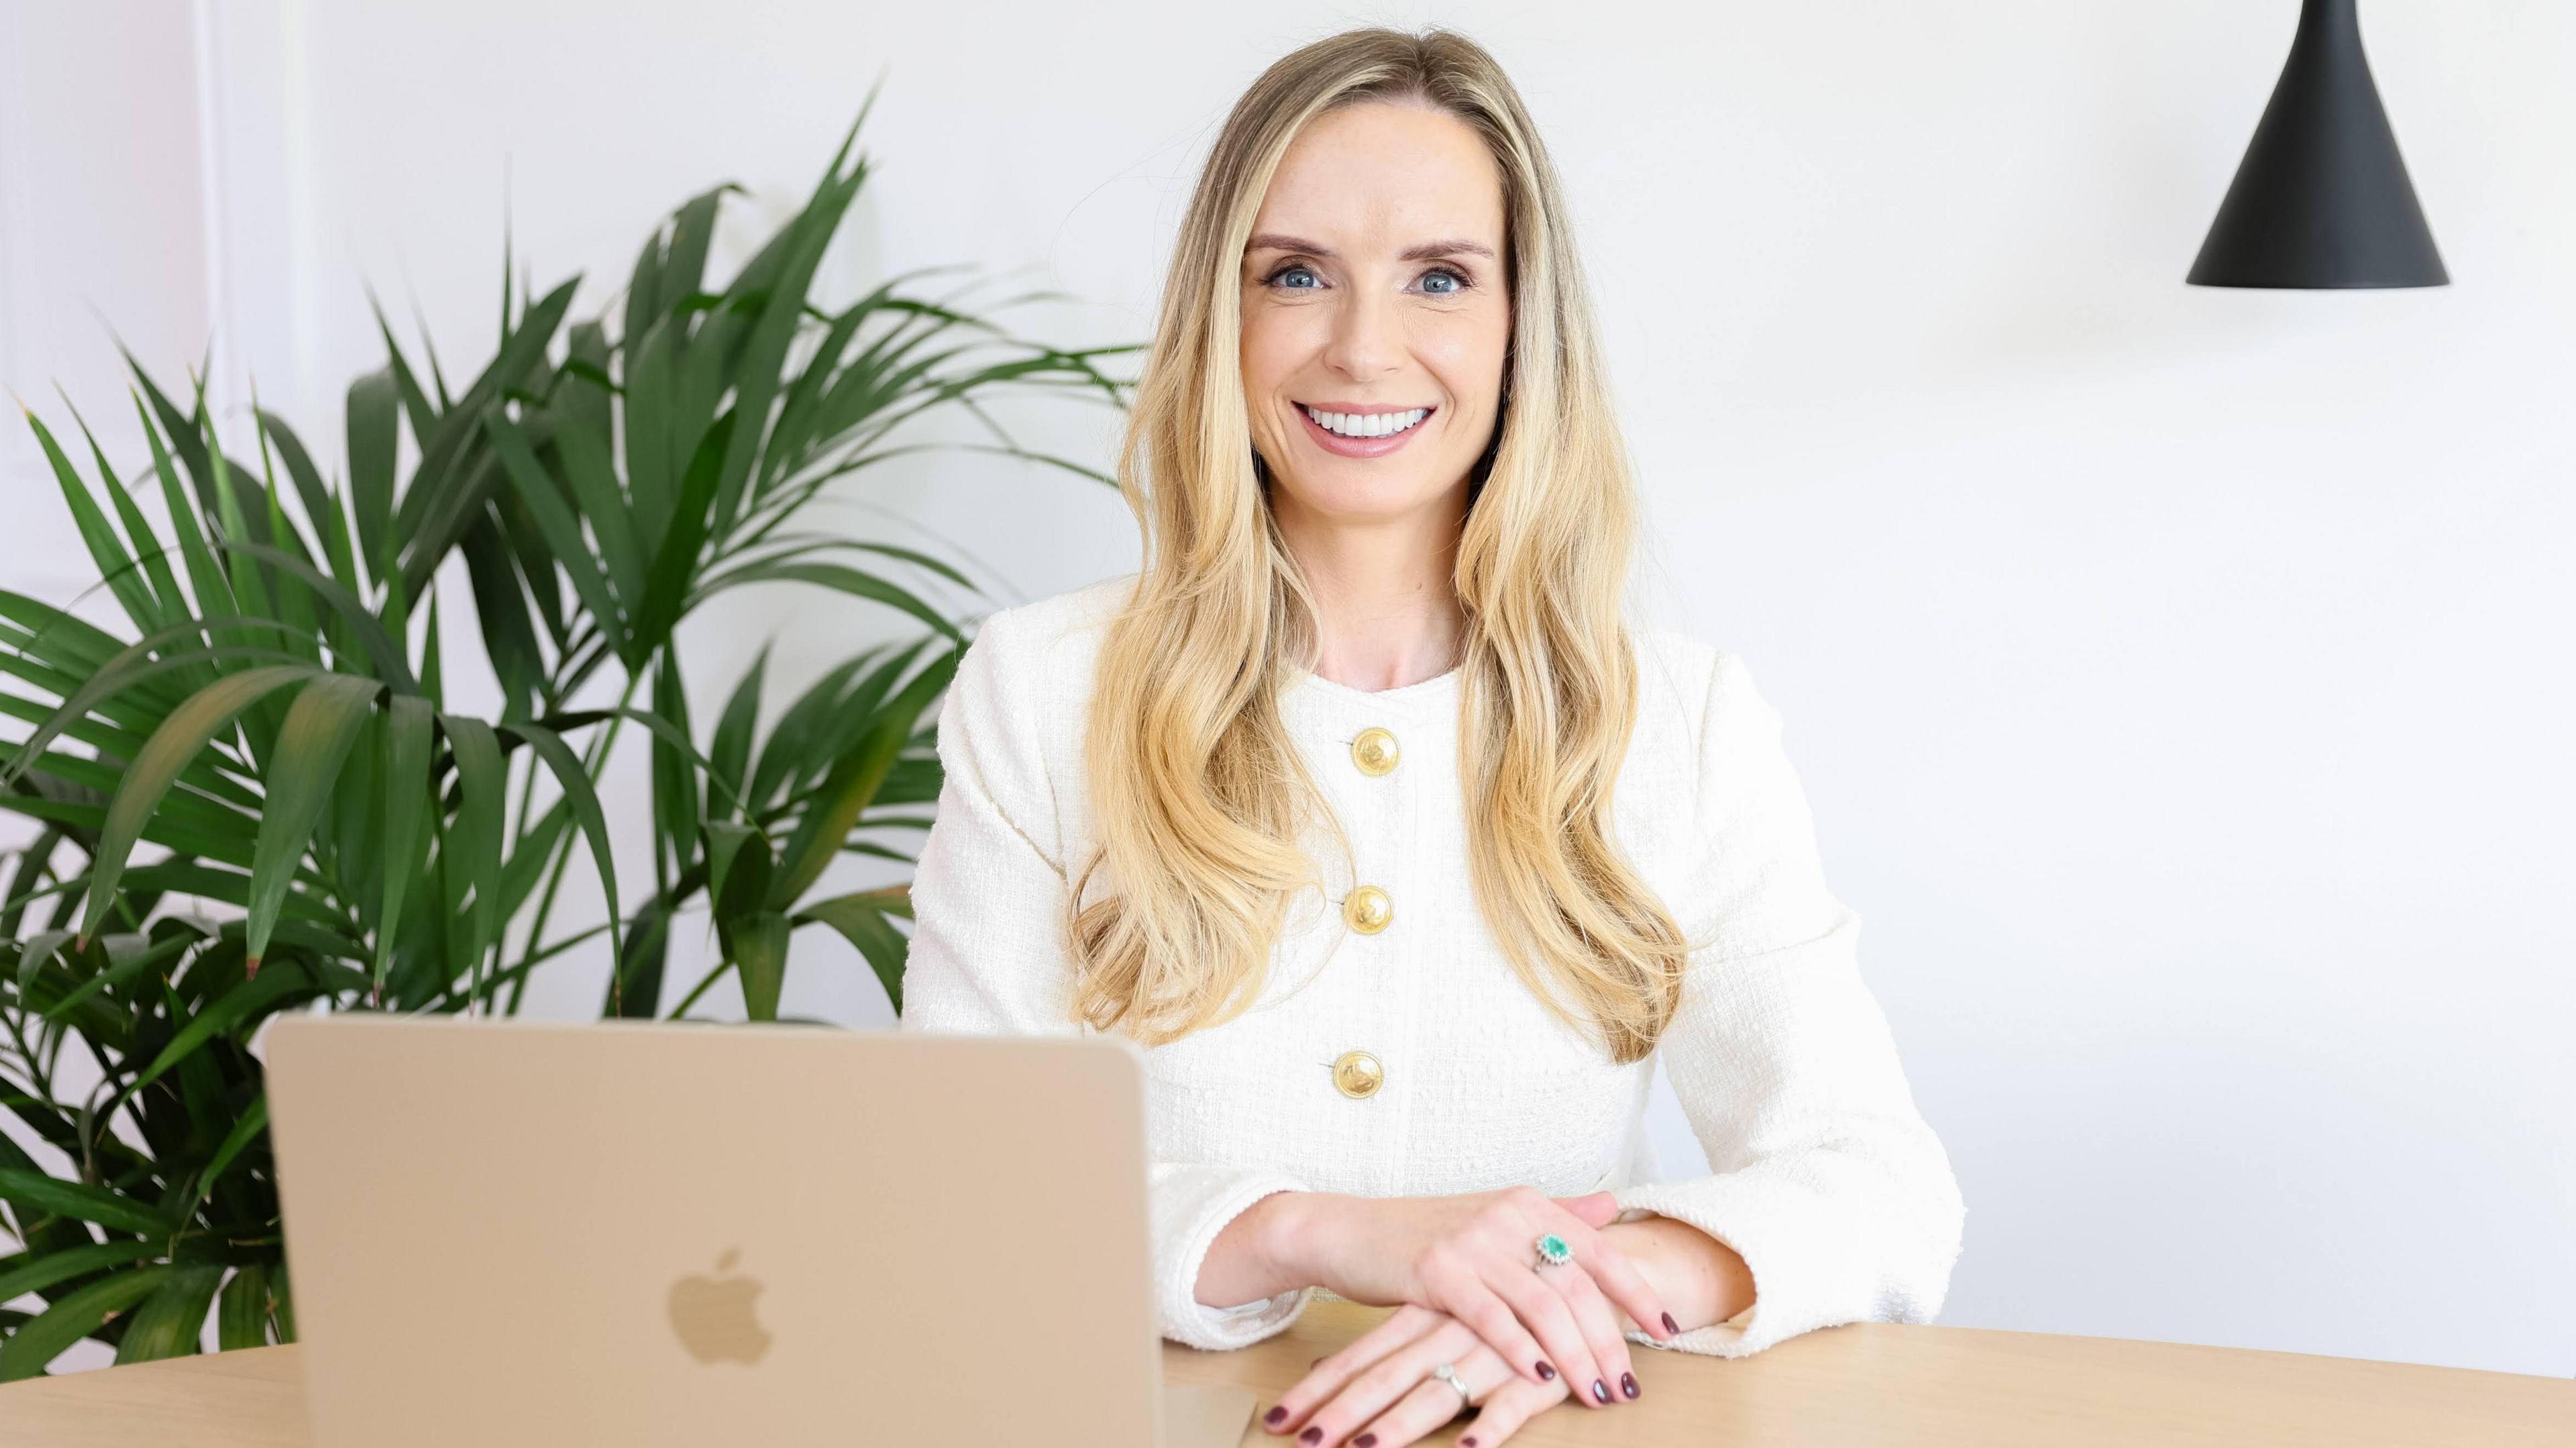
point(1469, 1258)
point(1379, 1392)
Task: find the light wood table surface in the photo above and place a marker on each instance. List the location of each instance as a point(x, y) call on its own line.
point(1842, 1387)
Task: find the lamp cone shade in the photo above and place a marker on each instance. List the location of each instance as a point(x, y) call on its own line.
point(2322, 198)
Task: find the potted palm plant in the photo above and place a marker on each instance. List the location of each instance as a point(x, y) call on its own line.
point(257, 796)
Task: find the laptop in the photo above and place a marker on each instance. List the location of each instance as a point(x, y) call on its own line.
point(508, 1233)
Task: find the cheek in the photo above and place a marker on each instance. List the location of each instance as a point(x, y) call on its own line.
point(1269, 354)
point(1280, 332)
point(1469, 362)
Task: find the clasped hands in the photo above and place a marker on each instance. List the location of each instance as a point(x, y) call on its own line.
point(1461, 1266)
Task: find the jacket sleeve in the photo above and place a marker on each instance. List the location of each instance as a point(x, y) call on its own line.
point(1824, 1176)
point(990, 954)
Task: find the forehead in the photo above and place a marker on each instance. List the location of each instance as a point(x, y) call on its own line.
point(1380, 176)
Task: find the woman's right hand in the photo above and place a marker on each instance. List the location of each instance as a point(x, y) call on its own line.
point(1470, 1256)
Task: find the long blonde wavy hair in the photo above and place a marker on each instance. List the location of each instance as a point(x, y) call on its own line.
point(1200, 798)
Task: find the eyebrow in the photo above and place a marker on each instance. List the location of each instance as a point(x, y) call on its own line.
point(1420, 251)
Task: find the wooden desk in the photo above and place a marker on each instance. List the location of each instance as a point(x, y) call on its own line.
point(1865, 1384)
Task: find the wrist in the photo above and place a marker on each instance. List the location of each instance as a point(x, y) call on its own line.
point(1288, 1234)
point(1700, 1279)
point(1645, 1251)
point(1245, 1263)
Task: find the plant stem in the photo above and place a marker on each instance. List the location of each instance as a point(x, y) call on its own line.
point(562, 851)
point(709, 979)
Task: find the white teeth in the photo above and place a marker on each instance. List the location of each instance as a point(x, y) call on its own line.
point(1365, 425)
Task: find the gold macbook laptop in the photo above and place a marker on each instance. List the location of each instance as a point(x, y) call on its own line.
point(505, 1233)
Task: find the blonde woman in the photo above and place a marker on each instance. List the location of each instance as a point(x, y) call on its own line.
point(1361, 810)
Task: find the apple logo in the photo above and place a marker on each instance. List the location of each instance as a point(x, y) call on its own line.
point(713, 1315)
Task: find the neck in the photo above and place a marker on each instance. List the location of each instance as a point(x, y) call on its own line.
point(1386, 613)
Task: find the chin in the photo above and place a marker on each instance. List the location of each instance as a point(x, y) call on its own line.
point(1387, 498)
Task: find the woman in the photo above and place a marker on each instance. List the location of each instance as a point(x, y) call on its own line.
point(1360, 809)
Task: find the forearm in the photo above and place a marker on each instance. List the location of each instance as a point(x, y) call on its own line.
point(1258, 1254)
point(1700, 1279)
point(1267, 1250)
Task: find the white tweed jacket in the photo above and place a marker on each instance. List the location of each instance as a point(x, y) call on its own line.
point(1825, 1178)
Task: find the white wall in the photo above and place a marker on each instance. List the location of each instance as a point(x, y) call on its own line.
point(2177, 674)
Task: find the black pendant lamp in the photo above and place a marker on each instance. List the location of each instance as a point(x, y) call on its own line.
point(2321, 198)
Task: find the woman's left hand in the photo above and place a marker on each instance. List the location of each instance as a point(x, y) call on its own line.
point(1379, 1392)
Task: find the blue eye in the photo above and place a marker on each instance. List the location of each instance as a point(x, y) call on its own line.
point(1458, 281)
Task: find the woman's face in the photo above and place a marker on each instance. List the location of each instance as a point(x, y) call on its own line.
point(1373, 292)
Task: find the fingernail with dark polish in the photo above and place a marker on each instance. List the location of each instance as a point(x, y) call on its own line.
point(1365, 1440)
point(1466, 1443)
point(1600, 1391)
point(1546, 1374)
point(1628, 1384)
point(1276, 1415)
point(1313, 1434)
point(1670, 1326)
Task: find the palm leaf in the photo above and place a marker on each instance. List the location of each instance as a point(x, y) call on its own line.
point(36, 1192)
point(22, 1274)
point(315, 740)
point(476, 836)
point(406, 772)
point(169, 1321)
point(576, 786)
point(42, 1339)
point(170, 748)
point(374, 431)
point(241, 1318)
point(115, 565)
point(861, 919)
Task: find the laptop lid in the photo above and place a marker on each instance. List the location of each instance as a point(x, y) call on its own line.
point(505, 1232)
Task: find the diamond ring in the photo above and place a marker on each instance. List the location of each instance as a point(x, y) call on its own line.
point(1448, 1373)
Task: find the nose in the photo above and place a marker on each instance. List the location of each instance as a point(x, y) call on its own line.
point(1368, 335)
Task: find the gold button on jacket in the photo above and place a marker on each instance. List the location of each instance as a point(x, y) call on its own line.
point(1357, 1073)
point(1368, 909)
point(1374, 752)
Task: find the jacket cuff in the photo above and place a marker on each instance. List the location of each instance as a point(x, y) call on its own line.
point(1810, 1267)
point(1191, 1205)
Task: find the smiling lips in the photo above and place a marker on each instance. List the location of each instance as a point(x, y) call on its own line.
point(1362, 432)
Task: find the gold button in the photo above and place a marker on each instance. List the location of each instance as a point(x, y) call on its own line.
point(1368, 909)
point(1357, 1073)
point(1374, 752)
